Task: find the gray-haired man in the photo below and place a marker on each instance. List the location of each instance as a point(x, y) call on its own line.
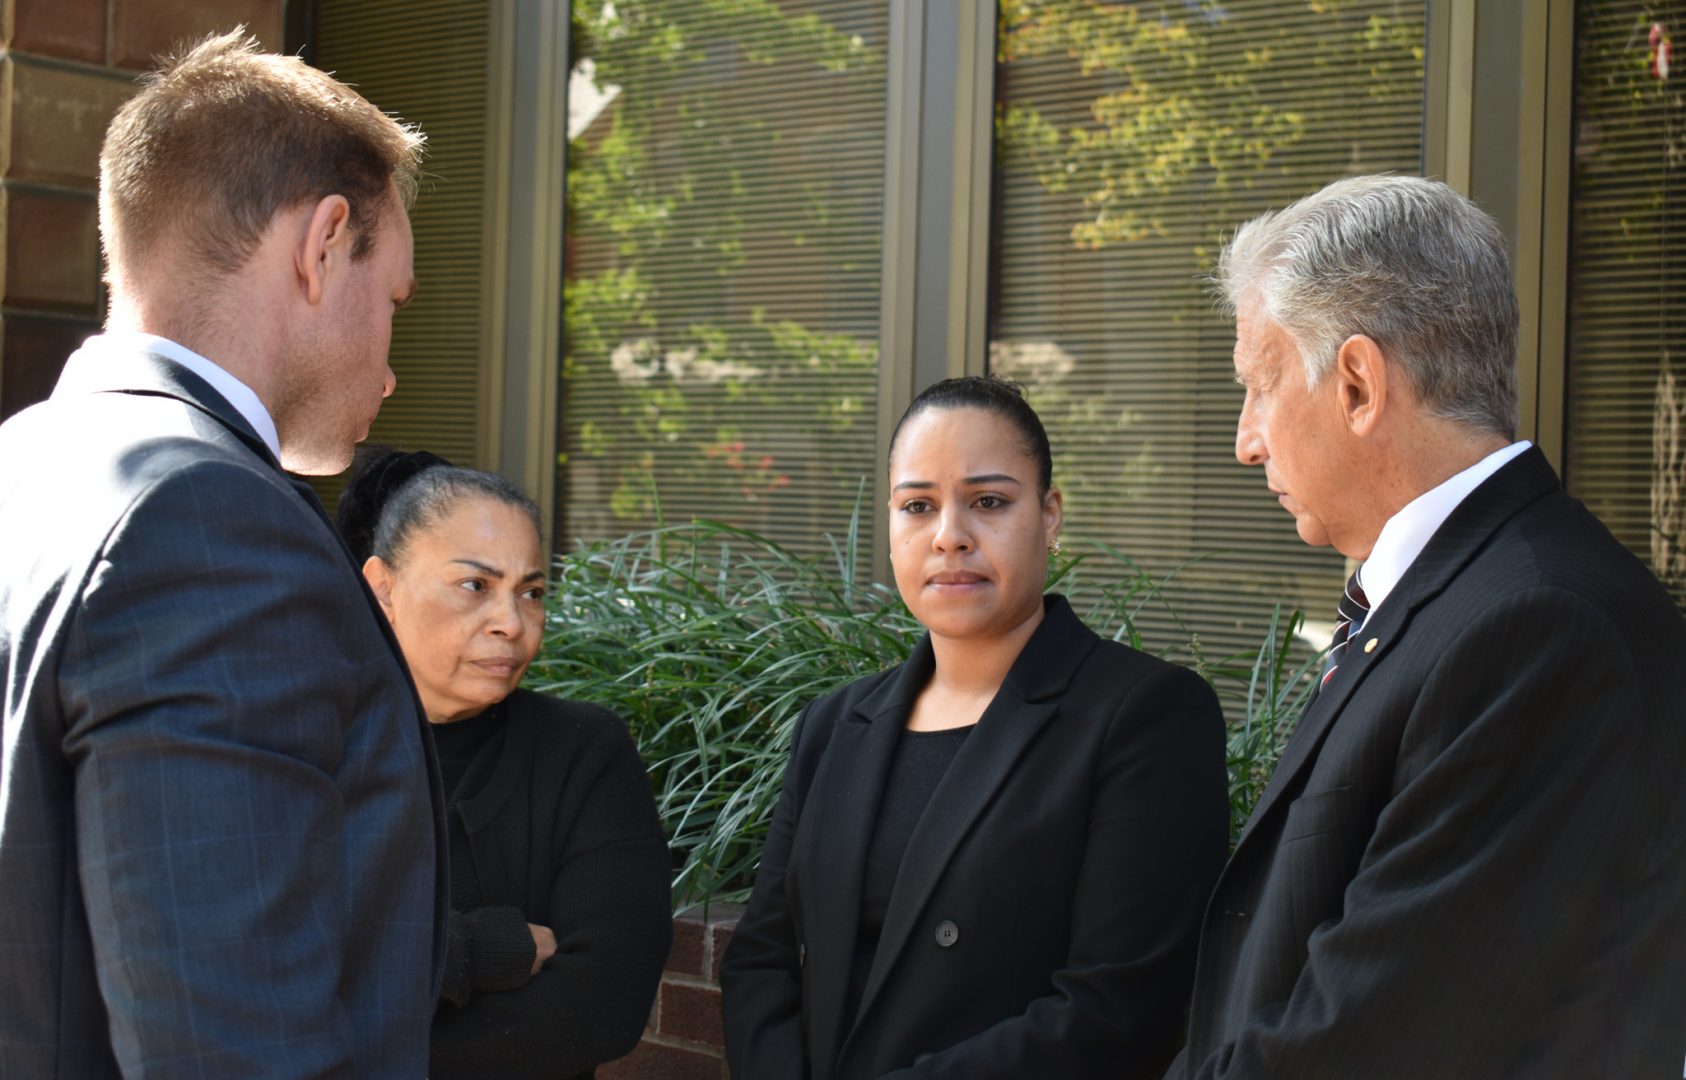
point(1471, 860)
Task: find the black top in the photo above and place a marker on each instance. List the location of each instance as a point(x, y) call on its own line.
point(499, 948)
point(551, 823)
point(458, 742)
point(922, 757)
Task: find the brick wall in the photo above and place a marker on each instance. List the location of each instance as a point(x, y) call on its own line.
point(65, 66)
point(684, 1039)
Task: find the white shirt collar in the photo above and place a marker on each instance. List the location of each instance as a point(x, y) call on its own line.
point(239, 395)
point(1406, 533)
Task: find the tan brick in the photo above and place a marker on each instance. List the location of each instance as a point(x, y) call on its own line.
point(32, 353)
point(52, 252)
point(143, 30)
point(67, 29)
point(58, 119)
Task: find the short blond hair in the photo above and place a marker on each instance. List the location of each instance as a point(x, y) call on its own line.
point(224, 135)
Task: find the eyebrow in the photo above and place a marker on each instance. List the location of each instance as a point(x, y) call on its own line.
point(970, 481)
point(494, 572)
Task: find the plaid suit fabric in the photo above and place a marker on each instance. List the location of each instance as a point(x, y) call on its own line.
point(218, 841)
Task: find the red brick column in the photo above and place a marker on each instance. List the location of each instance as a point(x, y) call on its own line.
point(684, 1040)
point(65, 67)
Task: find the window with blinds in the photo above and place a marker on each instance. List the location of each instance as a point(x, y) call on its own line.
point(1131, 139)
point(725, 209)
point(1626, 445)
point(379, 47)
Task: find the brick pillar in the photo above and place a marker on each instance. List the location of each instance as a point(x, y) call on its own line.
point(684, 1039)
point(65, 66)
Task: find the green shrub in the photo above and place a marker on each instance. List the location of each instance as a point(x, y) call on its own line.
point(709, 640)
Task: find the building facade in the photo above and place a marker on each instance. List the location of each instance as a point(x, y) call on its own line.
point(686, 258)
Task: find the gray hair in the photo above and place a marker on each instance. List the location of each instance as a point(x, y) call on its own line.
point(430, 495)
point(1407, 262)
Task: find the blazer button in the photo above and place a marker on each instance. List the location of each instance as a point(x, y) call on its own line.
point(947, 933)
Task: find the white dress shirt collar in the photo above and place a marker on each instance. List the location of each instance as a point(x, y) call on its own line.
point(1406, 533)
point(239, 395)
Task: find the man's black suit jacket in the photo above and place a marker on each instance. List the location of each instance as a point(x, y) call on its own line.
point(220, 850)
point(1043, 920)
point(1471, 860)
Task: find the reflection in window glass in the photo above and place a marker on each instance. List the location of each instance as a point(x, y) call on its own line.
point(1131, 138)
point(725, 175)
point(1626, 453)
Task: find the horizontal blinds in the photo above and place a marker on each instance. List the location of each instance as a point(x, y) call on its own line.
point(426, 62)
point(1626, 448)
point(725, 210)
point(1131, 139)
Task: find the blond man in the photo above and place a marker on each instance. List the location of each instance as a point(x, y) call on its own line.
point(219, 846)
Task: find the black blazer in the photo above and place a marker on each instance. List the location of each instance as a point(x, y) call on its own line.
point(220, 851)
point(1471, 860)
point(1070, 847)
point(561, 826)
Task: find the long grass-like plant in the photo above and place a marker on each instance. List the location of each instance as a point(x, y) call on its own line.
point(1276, 692)
point(709, 640)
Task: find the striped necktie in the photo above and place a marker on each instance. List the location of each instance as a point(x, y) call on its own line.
point(1354, 606)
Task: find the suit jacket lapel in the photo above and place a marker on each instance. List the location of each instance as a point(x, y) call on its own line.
point(157, 375)
point(846, 794)
point(1465, 531)
point(1020, 710)
point(1321, 712)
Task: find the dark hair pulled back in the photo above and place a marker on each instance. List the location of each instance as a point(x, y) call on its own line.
point(392, 495)
point(999, 396)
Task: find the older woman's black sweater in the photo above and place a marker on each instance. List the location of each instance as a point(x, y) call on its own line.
point(552, 823)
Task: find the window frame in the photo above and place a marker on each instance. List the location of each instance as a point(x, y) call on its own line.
point(1497, 126)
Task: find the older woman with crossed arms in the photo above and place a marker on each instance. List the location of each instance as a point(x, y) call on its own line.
point(559, 917)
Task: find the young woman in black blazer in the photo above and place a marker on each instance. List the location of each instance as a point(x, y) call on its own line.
point(559, 917)
point(992, 860)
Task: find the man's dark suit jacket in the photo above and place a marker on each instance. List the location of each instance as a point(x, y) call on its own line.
point(1471, 860)
point(220, 851)
point(1043, 921)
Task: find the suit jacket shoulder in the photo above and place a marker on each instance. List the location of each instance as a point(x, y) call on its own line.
point(212, 723)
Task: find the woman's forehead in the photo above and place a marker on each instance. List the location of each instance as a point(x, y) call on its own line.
point(961, 442)
point(483, 522)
